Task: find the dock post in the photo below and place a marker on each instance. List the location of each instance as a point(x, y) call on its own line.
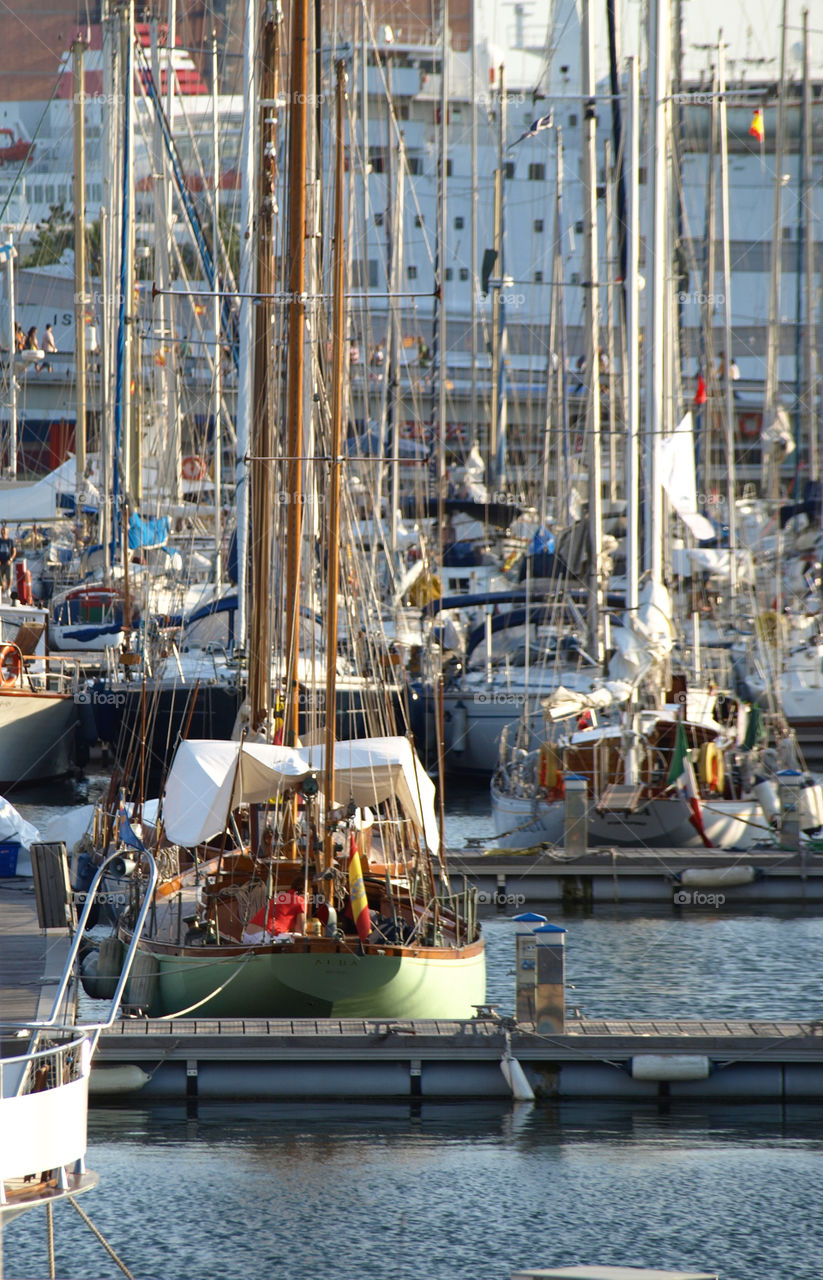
point(550, 991)
point(576, 815)
point(525, 980)
point(788, 781)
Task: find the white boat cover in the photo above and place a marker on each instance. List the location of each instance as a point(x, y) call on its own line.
point(370, 770)
point(206, 781)
point(563, 703)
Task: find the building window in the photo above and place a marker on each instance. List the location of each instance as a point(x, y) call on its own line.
point(449, 273)
point(538, 277)
point(538, 224)
point(572, 120)
point(509, 168)
point(537, 172)
point(448, 168)
point(378, 219)
point(411, 272)
point(415, 165)
point(459, 223)
point(578, 226)
point(464, 273)
point(418, 221)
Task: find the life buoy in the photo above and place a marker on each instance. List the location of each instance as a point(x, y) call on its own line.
point(749, 425)
point(11, 665)
point(710, 768)
point(193, 467)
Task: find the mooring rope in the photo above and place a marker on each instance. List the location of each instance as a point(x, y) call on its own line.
point(50, 1241)
point(93, 1229)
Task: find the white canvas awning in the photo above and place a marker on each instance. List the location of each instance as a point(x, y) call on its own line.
point(370, 770)
point(206, 781)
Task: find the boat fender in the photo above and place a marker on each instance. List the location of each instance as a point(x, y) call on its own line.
point(718, 877)
point(547, 769)
point(657, 1067)
point(766, 794)
point(515, 1076)
point(11, 665)
point(710, 768)
point(194, 467)
point(330, 927)
point(460, 725)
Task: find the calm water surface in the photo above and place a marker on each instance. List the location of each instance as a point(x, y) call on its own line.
point(472, 1192)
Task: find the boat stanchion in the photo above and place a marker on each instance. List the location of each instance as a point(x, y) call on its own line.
point(576, 815)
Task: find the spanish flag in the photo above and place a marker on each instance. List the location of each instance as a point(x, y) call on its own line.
point(756, 129)
point(357, 891)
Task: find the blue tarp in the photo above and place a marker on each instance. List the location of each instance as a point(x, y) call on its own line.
point(148, 532)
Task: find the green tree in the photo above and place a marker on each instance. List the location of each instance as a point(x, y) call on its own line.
point(54, 236)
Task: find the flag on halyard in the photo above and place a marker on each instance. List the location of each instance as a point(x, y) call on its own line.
point(357, 891)
point(756, 128)
point(681, 775)
point(536, 126)
point(700, 394)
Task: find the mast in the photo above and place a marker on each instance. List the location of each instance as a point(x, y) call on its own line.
point(12, 254)
point(245, 320)
point(770, 391)
point(496, 422)
point(633, 344)
point(262, 453)
point(333, 574)
point(807, 240)
point(78, 52)
point(298, 88)
point(657, 93)
point(727, 314)
point(217, 397)
point(590, 260)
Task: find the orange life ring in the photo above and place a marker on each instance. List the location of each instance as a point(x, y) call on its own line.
point(194, 467)
point(11, 665)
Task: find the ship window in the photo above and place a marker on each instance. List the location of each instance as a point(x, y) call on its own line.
point(415, 165)
point(538, 277)
point(449, 273)
point(418, 221)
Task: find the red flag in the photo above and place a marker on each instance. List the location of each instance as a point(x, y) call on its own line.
point(700, 394)
point(756, 128)
point(357, 892)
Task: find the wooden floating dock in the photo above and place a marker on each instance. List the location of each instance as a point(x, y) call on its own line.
point(622, 1060)
point(638, 876)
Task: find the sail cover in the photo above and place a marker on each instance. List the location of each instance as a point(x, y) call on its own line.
point(209, 778)
point(675, 455)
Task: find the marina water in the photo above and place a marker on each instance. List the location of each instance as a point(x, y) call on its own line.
point(428, 1191)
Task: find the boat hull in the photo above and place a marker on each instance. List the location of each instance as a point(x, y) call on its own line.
point(37, 736)
point(334, 981)
point(521, 822)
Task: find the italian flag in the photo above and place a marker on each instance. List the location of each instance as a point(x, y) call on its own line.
point(357, 891)
point(681, 775)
